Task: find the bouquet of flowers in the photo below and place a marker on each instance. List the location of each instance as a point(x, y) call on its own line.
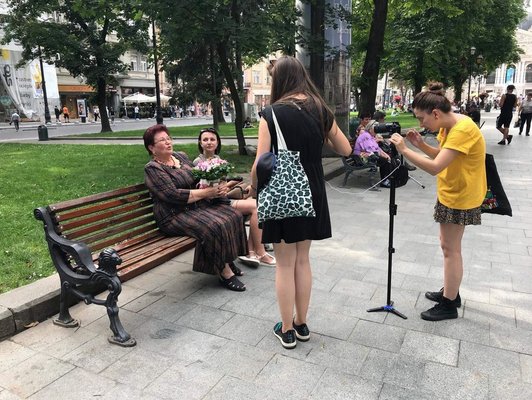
point(211, 171)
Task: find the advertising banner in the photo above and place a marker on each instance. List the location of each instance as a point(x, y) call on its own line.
point(21, 88)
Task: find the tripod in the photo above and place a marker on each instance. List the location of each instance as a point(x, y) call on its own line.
point(389, 307)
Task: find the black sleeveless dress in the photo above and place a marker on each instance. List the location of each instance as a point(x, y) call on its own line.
point(302, 132)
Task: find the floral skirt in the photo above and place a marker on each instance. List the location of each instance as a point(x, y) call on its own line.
point(446, 215)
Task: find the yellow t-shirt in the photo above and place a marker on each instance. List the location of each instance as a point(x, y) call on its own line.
point(462, 185)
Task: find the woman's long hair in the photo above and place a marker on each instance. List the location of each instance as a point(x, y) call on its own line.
point(290, 79)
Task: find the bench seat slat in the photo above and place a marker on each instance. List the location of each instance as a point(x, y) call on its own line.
point(146, 264)
point(125, 246)
point(145, 251)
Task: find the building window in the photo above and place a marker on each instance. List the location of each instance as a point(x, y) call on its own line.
point(134, 66)
point(490, 79)
point(528, 73)
point(143, 64)
point(256, 77)
point(510, 74)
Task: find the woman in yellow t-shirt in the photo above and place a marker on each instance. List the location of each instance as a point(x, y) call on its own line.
point(459, 163)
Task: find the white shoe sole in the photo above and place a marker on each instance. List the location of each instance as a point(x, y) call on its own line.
point(252, 262)
point(285, 345)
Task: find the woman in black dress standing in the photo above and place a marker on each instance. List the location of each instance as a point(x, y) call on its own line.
point(181, 209)
point(307, 124)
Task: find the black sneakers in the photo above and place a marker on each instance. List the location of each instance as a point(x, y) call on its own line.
point(302, 332)
point(438, 296)
point(510, 137)
point(287, 339)
point(443, 310)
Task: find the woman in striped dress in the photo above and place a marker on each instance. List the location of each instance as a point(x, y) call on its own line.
point(181, 209)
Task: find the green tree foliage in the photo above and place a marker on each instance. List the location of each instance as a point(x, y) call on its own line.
point(431, 40)
point(87, 37)
point(238, 31)
point(435, 41)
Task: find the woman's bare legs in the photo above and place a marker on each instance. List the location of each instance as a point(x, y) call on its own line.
point(303, 278)
point(249, 207)
point(453, 270)
point(293, 281)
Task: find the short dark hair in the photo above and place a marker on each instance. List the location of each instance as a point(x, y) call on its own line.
point(210, 130)
point(432, 99)
point(366, 114)
point(149, 135)
point(510, 87)
point(379, 115)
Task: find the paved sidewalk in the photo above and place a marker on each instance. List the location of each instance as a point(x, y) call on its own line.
point(197, 340)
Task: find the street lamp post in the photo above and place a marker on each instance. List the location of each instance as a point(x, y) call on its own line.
point(47, 118)
point(159, 115)
point(472, 52)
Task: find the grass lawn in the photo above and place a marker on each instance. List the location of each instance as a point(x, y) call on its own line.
point(178, 131)
point(34, 175)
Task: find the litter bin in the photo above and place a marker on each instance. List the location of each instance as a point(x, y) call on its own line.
point(43, 132)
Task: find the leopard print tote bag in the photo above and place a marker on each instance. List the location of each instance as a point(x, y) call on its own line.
point(287, 194)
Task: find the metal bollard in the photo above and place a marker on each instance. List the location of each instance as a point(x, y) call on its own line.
point(43, 132)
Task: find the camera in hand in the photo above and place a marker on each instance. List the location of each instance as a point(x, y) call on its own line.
point(388, 128)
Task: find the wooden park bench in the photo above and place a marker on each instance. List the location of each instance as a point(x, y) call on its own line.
point(350, 165)
point(98, 241)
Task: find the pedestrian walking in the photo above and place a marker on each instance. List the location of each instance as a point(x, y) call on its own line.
point(15, 120)
point(112, 114)
point(57, 114)
point(136, 112)
point(507, 103)
point(96, 112)
point(458, 162)
point(307, 124)
point(525, 113)
point(66, 116)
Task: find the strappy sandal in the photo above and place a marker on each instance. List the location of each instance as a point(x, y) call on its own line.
point(237, 271)
point(251, 260)
point(232, 284)
point(271, 263)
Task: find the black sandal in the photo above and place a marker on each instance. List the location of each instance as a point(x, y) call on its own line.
point(232, 284)
point(237, 271)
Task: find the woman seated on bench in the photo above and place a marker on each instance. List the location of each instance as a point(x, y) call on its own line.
point(181, 209)
point(366, 146)
point(209, 146)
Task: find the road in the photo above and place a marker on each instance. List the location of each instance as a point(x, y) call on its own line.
point(28, 131)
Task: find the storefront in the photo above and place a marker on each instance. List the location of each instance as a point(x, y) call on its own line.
point(69, 95)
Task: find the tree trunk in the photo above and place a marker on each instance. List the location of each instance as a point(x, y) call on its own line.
point(419, 78)
point(458, 84)
point(101, 88)
point(216, 99)
point(235, 96)
point(317, 53)
point(370, 71)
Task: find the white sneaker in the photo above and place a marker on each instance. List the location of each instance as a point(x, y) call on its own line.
point(250, 261)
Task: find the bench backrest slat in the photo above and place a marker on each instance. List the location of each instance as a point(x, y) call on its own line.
point(97, 208)
point(110, 222)
point(117, 231)
point(95, 198)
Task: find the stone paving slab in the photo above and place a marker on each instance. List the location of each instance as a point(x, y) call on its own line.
point(196, 340)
